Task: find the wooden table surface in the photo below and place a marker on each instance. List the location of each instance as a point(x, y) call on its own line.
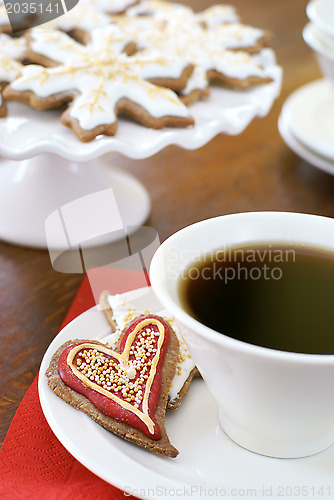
point(252, 171)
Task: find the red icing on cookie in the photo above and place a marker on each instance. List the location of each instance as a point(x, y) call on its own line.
point(123, 384)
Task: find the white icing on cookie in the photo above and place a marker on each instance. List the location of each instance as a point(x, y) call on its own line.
point(204, 48)
point(142, 30)
point(235, 36)
point(159, 9)
point(235, 65)
point(217, 14)
point(124, 312)
point(101, 76)
point(82, 17)
point(197, 81)
point(12, 50)
point(238, 65)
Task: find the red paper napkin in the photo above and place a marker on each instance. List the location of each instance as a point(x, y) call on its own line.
point(33, 463)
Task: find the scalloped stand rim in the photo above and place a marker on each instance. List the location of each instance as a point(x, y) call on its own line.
point(30, 190)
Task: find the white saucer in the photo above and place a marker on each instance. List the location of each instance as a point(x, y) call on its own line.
point(298, 147)
point(209, 465)
point(310, 111)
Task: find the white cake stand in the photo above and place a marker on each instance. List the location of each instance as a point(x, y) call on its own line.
point(43, 166)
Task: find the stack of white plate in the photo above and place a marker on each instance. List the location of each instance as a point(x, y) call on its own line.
point(306, 122)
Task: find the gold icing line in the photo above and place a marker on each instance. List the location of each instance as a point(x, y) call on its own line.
point(154, 366)
point(128, 344)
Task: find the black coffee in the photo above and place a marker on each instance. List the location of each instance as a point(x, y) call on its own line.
point(276, 297)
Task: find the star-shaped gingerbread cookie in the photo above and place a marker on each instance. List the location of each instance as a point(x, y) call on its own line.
point(100, 81)
point(12, 52)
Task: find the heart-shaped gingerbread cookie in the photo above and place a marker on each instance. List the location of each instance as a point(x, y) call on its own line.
point(124, 390)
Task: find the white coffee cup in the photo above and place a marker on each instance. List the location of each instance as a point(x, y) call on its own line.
point(275, 403)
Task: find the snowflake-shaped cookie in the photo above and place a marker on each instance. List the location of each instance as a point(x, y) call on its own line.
point(147, 31)
point(238, 36)
point(216, 15)
point(12, 51)
point(100, 83)
point(214, 52)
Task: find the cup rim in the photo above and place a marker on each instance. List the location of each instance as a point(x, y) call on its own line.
point(309, 35)
point(208, 333)
point(313, 15)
